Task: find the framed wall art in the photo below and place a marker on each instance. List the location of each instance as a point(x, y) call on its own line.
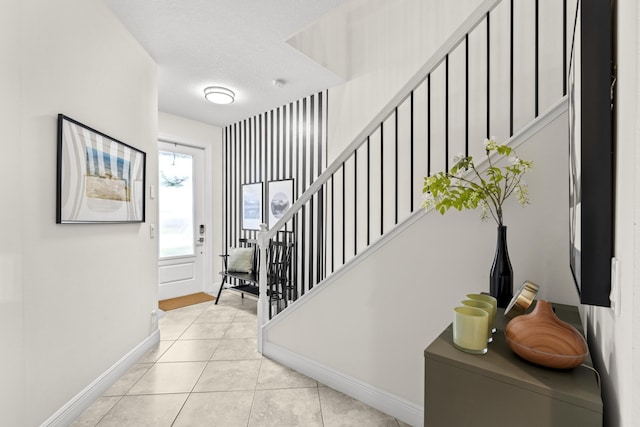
point(591, 152)
point(280, 196)
point(252, 206)
point(99, 179)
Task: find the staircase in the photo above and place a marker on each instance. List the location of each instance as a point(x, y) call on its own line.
point(371, 228)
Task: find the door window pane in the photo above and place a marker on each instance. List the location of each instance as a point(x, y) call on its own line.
point(176, 204)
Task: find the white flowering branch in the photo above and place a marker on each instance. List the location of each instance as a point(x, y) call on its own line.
point(454, 189)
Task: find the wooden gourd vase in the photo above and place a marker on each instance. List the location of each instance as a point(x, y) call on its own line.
point(541, 338)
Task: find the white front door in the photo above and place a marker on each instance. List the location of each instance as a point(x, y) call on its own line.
point(181, 227)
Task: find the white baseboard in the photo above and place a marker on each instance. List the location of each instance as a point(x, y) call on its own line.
point(79, 403)
point(404, 410)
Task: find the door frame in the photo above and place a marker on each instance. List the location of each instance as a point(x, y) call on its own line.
point(208, 204)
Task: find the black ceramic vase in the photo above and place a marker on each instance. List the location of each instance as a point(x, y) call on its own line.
point(501, 277)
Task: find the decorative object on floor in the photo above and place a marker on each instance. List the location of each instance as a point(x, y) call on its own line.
point(541, 338)
point(184, 301)
point(491, 188)
point(99, 179)
point(486, 307)
point(252, 206)
point(280, 196)
point(522, 300)
point(470, 329)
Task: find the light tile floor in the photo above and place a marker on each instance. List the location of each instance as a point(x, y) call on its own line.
point(206, 372)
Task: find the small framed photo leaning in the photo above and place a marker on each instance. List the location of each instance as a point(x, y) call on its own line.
point(99, 179)
point(252, 206)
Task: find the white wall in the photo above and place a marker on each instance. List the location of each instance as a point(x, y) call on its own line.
point(388, 308)
point(78, 297)
point(380, 44)
point(616, 339)
point(11, 248)
point(178, 129)
point(388, 42)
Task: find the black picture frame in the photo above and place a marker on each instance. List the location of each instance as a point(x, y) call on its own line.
point(591, 152)
point(252, 206)
point(280, 197)
point(99, 179)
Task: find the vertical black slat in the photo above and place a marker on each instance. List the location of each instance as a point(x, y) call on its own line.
point(312, 134)
point(368, 191)
point(256, 160)
point(260, 126)
point(355, 202)
point(280, 156)
point(537, 61)
point(303, 248)
point(232, 178)
point(332, 216)
point(410, 153)
point(225, 189)
point(235, 182)
point(295, 122)
point(312, 203)
point(446, 112)
point(242, 154)
point(304, 145)
point(320, 225)
point(247, 155)
point(466, 95)
point(381, 178)
point(321, 124)
point(511, 69)
point(264, 161)
point(257, 143)
point(300, 113)
point(303, 160)
point(259, 149)
point(231, 186)
point(344, 231)
point(233, 173)
point(272, 146)
point(321, 208)
point(488, 76)
point(237, 219)
point(282, 139)
point(310, 257)
point(275, 161)
point(564, 47)
point(291, 144)
point(396, 166)
point(428, 124)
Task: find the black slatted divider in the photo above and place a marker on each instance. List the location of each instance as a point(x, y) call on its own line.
point(290, 143)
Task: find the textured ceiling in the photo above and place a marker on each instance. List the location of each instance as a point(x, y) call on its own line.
point(238, 44)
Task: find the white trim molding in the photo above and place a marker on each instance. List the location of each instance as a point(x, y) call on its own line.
point(402, 409)
point(80, 402)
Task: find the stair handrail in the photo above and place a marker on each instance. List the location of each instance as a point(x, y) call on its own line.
point(454, 40)
point(264, 235)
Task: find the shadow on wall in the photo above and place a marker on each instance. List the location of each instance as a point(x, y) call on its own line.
point(602, 346)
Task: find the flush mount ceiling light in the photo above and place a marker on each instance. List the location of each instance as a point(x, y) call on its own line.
point(219, 95)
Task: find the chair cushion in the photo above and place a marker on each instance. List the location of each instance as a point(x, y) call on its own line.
point(240, 260)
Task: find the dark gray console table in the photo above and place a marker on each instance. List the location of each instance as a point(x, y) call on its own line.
point(501, 389)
